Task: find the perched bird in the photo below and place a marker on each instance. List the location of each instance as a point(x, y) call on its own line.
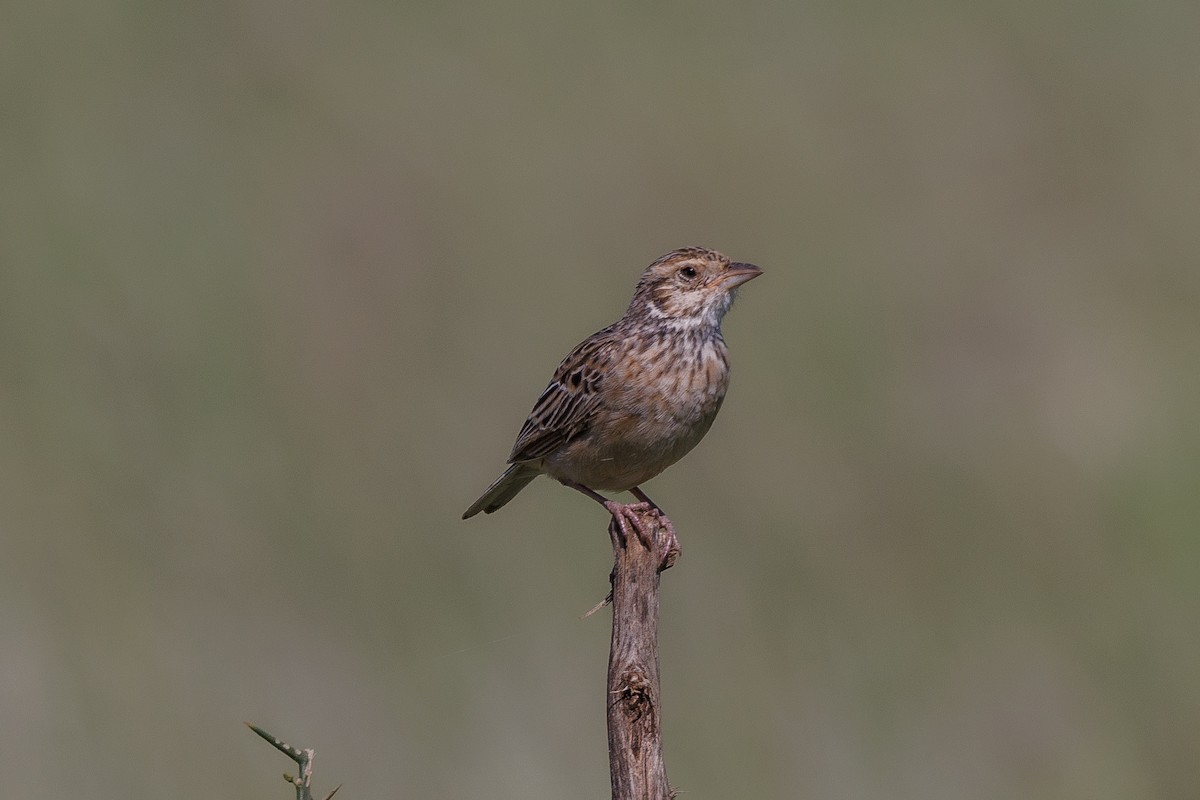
point(634, 398)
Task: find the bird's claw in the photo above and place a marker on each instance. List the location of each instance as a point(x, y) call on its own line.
point(626, 516)
point(670, 542)
point(630, 515)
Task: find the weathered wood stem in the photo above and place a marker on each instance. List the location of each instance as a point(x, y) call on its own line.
point(634, 699)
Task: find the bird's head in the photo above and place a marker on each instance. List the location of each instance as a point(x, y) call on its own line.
point(690, 287)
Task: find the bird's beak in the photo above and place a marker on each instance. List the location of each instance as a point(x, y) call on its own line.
point(738, 273)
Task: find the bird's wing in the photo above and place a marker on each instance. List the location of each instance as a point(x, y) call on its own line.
point(567, 406)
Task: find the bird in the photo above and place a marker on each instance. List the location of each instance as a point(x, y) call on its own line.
point(634, 398)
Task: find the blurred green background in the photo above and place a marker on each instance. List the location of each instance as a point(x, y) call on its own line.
point(280, 282)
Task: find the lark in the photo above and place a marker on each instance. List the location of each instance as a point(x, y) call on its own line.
point(634, 398)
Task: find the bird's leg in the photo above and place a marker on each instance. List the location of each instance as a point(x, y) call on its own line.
point(643, 497)
point(625, 515)
point(672, 549)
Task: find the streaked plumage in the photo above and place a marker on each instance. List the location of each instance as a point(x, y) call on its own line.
point(634, 398)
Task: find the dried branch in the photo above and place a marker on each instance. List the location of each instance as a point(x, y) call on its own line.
point(634, 707)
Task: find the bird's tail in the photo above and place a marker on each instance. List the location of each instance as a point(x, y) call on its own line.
point(514, 479)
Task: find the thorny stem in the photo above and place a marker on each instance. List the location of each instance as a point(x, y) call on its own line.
point(303, 758)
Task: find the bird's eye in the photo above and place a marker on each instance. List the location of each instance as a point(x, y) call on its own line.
point(688, 272)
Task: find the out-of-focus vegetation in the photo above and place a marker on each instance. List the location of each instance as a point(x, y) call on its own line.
point(280, 281)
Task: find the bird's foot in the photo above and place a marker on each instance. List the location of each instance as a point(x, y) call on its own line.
point(635, 516)
point(628, 516)
point(670, 542)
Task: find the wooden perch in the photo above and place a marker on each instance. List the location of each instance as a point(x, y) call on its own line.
point(634, 701)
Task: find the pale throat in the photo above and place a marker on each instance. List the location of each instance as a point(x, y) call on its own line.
point(707, 316)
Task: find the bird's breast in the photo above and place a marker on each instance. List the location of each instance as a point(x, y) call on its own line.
point(676, 381)
point(658, 405)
